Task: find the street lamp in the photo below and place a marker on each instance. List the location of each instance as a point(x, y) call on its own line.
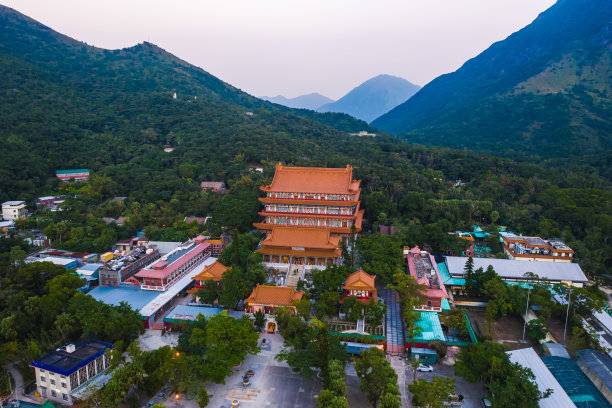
point(526, 311)
point(569, 296)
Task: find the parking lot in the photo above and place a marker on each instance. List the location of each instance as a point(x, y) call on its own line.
point(472, 393)
point(273, 385)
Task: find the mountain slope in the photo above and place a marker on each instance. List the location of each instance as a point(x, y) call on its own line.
point(310, 101)
point(65, 104)
point(373, 97)
point(544, 90)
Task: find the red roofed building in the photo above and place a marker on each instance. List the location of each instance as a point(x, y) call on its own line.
point(422, 266)
point(174, 265)
point(312, 197)
point(361, 285)
point(312, 247)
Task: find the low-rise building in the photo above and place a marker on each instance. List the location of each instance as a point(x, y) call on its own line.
point(6, 226)
point(597, 366)
point(65, 262)
point(50, 202)
point(515, 271)
point(536, 249)
point(361, 285)
point(74, 174)
point(218, 244)
point(214, 186)
point(12, 210)
point(119, 269)
point(422, 266)
point(69, 368)
point(267, 298)
point(173, 266)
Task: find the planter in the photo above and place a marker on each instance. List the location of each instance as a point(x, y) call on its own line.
point(235, 403)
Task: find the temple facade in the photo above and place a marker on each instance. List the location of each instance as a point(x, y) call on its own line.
point(304, 197)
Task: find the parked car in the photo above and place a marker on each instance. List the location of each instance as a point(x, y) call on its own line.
point(424, 367)
point(151, 403)
point(486, 403)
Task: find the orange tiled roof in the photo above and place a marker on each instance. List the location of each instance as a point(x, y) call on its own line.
point(301, 237)
point(313, 180)
point(213, 272)
point(317, 253)
point(360, 281)
point(274, 295)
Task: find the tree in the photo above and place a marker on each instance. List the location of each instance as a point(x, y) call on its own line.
point(352, 307)
point(536, 329)
point(376, 376)
point(228, 341)
point(327, 305)
point(469, 277)
point(203, 398)
point(17, 255)
point(381, 254)
point(260, 320)
point(210, 293)
point(375, 312)
point(334, 396)
point(328, 280)
point(234, 288)
point(432, 394)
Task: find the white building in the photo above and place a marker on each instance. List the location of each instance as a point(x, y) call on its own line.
point(68, 369)
point(11, 210)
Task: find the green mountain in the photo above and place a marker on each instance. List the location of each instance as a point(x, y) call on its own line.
point(310, 101)
point(65, 104)
point(545, 90)
point(373, 97)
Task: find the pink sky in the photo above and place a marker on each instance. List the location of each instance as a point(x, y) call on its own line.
point(294, 47)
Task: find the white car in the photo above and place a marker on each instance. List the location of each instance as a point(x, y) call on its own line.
point(424, 367)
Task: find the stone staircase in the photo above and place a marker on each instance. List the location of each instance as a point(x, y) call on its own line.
point(294, 275)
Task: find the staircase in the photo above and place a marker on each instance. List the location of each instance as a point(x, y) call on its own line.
point(294, 275)
point(361, 325)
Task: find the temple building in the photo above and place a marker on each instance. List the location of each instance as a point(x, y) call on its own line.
point(361, 285)
point(213, 272)
point(267, 298)
point(287, 248)
point(422, 266)
point(318, 197)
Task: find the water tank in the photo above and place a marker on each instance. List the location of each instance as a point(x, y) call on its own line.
point(149, 251)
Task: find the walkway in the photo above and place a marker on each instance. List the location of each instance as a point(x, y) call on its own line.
point(394, 322)
point(361, 325)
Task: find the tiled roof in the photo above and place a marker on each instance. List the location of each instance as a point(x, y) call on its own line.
point(301, 237)
point(212, 272)
point(313, 180)
point(274, 295)
point(360, 280)
point(212, 184)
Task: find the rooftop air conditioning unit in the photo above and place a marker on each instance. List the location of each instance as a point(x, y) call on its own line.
point(433, 272)
point(70, 348)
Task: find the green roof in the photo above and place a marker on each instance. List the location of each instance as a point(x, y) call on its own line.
point(71, 171)
point(445, 304)
point(430, 326)
point(446, 278)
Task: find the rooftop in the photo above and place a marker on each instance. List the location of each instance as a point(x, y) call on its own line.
point(165, 247)
point(599, 363)
point(12, 203)
point(212, 184)
point(56, 261)
point(146, 301)
point(212, 272)
point(318, 180)
point(274, 295)
point(360, 280)
point(575, 383)
point(528, 358)
point(72, 171)
point(65, 362)
point(170, 262)
point(301, 237)
point(512, 269)
point(184, 312)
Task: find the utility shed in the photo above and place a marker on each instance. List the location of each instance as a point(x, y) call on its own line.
point(598, 367)
point(528, 358)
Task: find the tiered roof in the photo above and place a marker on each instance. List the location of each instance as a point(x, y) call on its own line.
point(360, 281)
point(317, 180)
point(213, 272)
point(274, 295)
point(306, 241)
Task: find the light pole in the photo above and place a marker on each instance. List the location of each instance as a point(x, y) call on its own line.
point(526, 311)
point(569, 296)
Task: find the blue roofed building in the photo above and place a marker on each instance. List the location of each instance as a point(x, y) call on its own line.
point(69, 368)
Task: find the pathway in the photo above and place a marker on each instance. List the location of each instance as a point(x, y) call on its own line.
point(394, 322)
point(361, 325)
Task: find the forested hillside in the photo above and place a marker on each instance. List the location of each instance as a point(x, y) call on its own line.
point(64, 105)
point(544, 92)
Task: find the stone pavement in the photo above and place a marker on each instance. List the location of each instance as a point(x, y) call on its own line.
point(152, 340)
point(394, 322)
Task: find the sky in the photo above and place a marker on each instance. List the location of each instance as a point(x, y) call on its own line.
point(295, 47)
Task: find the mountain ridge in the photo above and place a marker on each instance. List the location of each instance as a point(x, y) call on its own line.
point(373, 97)
point(308, 101)
point(482, 104)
